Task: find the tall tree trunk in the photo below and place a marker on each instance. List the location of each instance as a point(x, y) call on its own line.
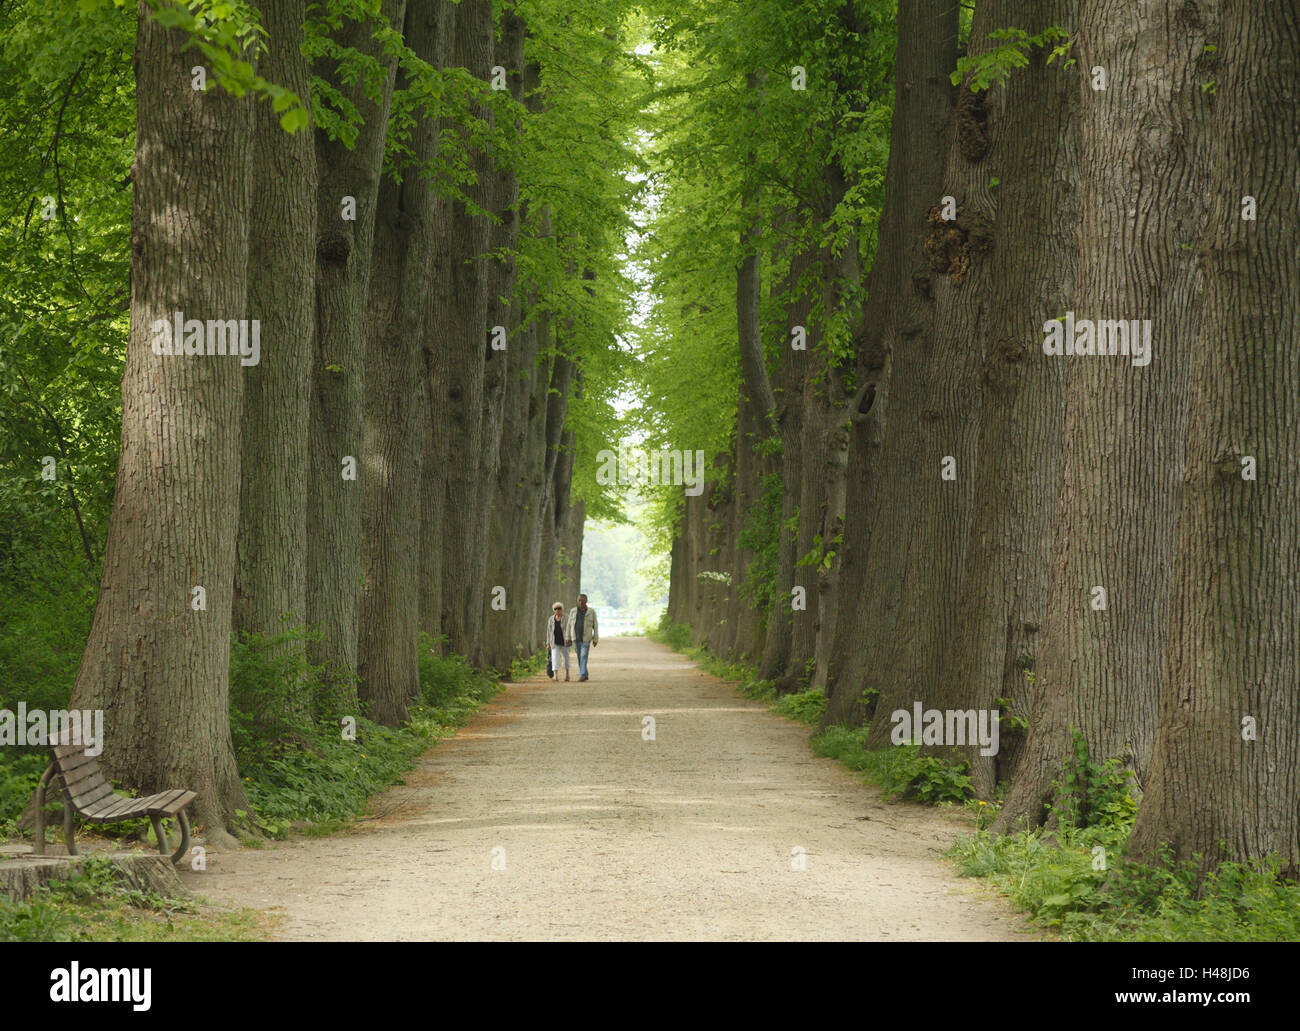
point(897, 324)
point(945, 426)
point(788, 391)
point(841, 295)
point(400, 285)
point(747, 613)
point(1226, 759)
point(755, 414)
point(1143, 188)
point(935, 429)
point(677, 575)
point(547, 544)
point(565, 557)
point(999, 606)
point(502, 311)
point(537, 484)
point(812, 458)
point(271, 574)
point(502, 543)
point(721, 500)
point(346, 199)
point(157, 660)
point(460, 357)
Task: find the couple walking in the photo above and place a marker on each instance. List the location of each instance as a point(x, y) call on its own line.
point(579, 630)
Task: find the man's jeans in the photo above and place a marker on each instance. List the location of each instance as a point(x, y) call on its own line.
point(582, 648)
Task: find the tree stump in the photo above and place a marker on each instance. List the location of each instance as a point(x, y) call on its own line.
point(22, 877)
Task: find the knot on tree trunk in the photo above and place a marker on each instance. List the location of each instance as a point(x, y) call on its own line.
point(953, 243)
point(334, 248)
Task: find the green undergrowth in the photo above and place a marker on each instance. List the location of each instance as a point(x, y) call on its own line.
point(900, 771)
point(1072, 875)
point(315, 772)
point(1076, 882)
point(94, 905)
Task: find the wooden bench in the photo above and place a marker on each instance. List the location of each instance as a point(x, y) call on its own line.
point(87, 792)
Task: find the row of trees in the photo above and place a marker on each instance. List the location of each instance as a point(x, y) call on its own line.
point(416, 208)
point(926, 505)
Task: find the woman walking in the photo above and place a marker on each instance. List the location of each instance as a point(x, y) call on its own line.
point(556, 640)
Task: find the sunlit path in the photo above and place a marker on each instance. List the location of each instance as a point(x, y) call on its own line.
point(603, 834)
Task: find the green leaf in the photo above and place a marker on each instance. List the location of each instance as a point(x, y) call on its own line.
point(294, 120)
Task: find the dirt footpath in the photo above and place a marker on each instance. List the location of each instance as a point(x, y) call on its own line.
point(550, 816)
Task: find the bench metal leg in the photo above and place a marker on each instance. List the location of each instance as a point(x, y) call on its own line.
point(183, 819)
point(159, 833)
point(40, 809)
point(69, 823)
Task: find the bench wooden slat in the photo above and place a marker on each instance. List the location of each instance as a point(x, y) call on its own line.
point(83, 775)
point(157, 799)
point(172, 802)
point(99, 809)
point(115, 808)
point(92, 794)
point(145, 802)
point(80, 772)
point(129, 809)
point(96, 809)
point(117, 815)
point(77, 761)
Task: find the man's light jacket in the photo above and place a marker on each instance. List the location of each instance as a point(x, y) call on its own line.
point(590, 632)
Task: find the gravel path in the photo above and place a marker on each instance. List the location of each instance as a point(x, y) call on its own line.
point(551, 817)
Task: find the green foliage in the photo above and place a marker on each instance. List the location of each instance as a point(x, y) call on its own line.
point(66, 119)
point(19, 775)
point(901, 771)
point(759, 690)
point(299, 770)
point(1058, 880)
point(822, 555)
point(735, 154)
point(677, 636)
point(450, 689)
point(527, 666)
point(277, 697)
point(1007, 718)
point(328, 780)
point(1092, 794)
point(803, 706)
point(992, 67)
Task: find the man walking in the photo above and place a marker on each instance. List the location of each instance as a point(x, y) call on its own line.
point(583, 633)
